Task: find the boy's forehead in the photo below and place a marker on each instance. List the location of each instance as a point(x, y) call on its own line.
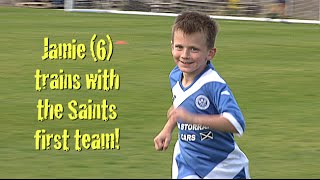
point(196, 38)
point(187, 34)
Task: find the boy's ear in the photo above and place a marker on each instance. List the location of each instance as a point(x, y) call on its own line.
point(212, 53)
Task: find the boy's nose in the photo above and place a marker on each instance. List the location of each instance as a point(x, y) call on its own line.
point(185, 54)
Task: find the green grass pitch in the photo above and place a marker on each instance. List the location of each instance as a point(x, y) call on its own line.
point(273, 70)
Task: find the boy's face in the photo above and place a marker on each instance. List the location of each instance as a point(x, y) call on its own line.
point(190, 52)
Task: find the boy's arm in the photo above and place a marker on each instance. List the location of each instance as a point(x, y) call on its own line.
point(163, 139)
point(217, 122)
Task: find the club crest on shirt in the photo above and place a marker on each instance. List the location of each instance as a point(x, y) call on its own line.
point(202, 102)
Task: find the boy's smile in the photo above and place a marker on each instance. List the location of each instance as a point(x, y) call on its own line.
point(190, 52)
point(185, 62)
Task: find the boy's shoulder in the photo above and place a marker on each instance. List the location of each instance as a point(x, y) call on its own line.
point(175, 72)
point(174, 75)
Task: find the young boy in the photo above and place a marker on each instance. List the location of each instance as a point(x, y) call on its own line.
point(204, 108)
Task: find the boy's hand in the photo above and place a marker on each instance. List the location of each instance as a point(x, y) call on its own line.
point(182, 114)
point(162, 140)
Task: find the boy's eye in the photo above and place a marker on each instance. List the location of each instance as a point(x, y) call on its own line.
point(193, 49)
point(178, 47)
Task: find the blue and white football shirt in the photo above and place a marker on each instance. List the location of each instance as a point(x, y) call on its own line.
point(200, 151)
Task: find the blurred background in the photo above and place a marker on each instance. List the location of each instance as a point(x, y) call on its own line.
point(297, 9)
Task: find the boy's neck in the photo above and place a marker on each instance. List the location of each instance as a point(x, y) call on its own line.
point(187, 79)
